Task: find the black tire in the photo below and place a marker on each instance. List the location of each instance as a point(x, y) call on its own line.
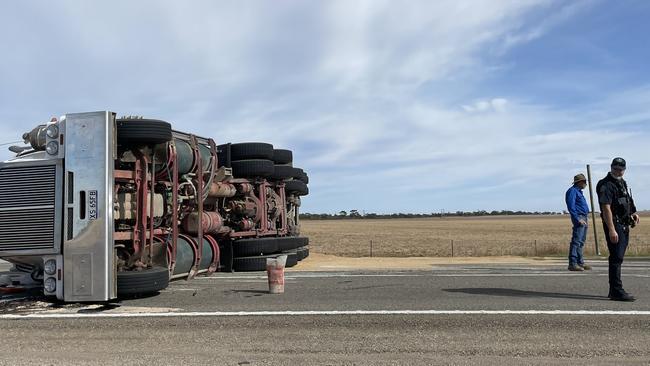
point(143, 131)
point(252, 168)
point(297, 173)
point(304, 178)
point(300, 175)
point(281, 156)
point(296, 187)
point(258, 263)
point(222, 156)
point(292, 260)
point(282, 172)
point(292, 242)
point(302, 252)
point(255, 247)
point(303, 240)
point(142, 282)
point(293, 257)
point(251, 150)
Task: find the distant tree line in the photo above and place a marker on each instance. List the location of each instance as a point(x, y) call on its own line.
point(355, 214)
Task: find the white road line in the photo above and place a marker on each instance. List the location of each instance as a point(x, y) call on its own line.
point(294, 276)
point(324, 313)
point(540, 274)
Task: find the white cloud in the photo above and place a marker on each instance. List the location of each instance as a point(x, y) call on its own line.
point(494, 105)
point(378, 100)
point(376, 46)
point(558, 16)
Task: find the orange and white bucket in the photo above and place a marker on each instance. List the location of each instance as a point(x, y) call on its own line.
point(275, 273)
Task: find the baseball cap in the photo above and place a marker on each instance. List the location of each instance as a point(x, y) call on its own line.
point(618, 163)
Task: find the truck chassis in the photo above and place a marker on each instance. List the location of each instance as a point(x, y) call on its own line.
point(95, 207)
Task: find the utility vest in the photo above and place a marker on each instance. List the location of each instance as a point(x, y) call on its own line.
point(622, 202)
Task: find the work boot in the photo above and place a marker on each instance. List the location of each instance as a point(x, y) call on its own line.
point(575, 268)
point(624, 296)
point(586, 267)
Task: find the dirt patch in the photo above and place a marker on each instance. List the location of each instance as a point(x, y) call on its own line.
point(324, 262)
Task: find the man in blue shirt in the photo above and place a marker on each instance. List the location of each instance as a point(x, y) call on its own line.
point(577, 206)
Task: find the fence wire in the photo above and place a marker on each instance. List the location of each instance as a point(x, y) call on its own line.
point(639, 246)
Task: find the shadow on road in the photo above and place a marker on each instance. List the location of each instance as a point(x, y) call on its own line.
point(522, 293)
point(100, 309)
point(251, 293)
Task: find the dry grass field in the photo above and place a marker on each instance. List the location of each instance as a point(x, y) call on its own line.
point(471, 236)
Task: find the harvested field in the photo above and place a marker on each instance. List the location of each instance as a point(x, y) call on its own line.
point(471, 236)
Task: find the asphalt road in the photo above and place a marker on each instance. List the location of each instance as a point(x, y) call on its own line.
point(471, 314)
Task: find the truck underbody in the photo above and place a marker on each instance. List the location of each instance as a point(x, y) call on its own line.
point(97, 207)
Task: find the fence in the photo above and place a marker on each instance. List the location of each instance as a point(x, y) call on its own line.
point(639, 246)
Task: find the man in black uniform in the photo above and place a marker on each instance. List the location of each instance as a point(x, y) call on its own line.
point(618, 214)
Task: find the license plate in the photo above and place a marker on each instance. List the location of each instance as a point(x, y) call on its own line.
point(92, 205)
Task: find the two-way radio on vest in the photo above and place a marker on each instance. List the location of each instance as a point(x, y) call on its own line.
point(631, 199)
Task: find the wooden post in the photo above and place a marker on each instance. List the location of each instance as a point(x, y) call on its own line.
point(593, 210)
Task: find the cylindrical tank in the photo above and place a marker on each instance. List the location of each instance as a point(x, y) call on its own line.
point(185, 157)
point(187, 249)
point(221, 189)
point(211, 223)
point(205, 157)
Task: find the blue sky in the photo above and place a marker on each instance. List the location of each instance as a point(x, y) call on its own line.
point(390, 106)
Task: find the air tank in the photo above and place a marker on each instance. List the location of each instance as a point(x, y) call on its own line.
point(184, 157)
point(186, 251)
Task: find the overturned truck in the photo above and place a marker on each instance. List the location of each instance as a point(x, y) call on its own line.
point(95, 207)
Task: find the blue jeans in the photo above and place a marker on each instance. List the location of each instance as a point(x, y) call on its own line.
point(577, 243)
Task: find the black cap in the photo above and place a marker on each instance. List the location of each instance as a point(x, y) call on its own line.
point(618, 162)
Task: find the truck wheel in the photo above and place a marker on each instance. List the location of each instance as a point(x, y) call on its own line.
point(258, 263)
point(297, 187)
point(143, 131)
point(300, 175)
point(303, 240)
point(252, 168)
point(291, 242)
point(142, 282)
point(292, 260)
point(251, 150)
point(302, 252)
point(281, 156)
point(281, 172)
point(256, 246)
point(304, 178)
point(293, 257)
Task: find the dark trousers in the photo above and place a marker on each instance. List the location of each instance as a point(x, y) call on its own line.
point(616, 255)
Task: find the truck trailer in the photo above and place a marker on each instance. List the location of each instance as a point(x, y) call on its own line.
point(94, 207)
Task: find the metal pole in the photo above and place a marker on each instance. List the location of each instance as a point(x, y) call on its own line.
point(593, 211)
point(371, 249)
point(452, 248)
